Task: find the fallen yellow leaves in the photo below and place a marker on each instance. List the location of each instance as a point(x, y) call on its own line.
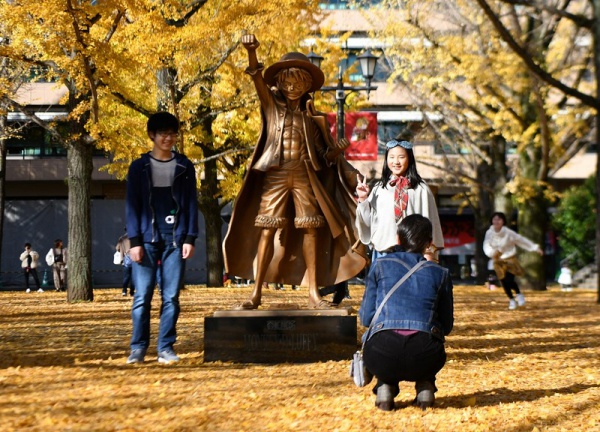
point(63, 368)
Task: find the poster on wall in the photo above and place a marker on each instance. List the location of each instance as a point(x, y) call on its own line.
point(459, 236)
point(361, 131)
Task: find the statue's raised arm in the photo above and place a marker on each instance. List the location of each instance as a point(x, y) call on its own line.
point(291, 212)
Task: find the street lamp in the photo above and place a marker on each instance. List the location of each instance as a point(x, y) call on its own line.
point(367, 61)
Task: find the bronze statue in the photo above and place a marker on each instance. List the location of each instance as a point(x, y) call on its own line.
point(293, 220)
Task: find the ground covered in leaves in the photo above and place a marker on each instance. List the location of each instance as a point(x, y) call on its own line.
point(62, 368)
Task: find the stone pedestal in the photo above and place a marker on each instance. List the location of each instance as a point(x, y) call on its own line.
point(279, 336)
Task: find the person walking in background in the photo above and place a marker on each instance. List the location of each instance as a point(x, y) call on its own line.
point(400, 192)
point(340, 292)
point(162, 225)
point(29, 262)
point(57, 259)
point(123, 246)
point(405, 341)
point(500, 244)
point(565, 278)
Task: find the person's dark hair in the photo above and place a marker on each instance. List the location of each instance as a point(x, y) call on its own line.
point(411, 173)
point(415, 233)
point(57, 243)
point(162, 121)
point(28, 245)
point(500, 215)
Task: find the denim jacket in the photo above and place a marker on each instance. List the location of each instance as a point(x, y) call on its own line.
point(424, 302)
point(139, 213)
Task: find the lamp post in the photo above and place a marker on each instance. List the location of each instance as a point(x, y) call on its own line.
point(367, 62)
point(367, 65)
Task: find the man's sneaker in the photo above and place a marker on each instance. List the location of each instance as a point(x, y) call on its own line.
point(167, 356)
point(520, 299)
point(27, 290)
point(136, 356)
point(512, 304)
point(124, 293)
point(40, 290)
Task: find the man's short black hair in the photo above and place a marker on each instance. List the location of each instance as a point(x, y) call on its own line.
point(162, 121)
point(28, 245)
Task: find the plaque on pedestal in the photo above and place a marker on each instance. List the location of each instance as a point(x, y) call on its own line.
point(279, 336)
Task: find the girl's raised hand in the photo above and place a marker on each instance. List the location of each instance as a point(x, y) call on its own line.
point(362, 188)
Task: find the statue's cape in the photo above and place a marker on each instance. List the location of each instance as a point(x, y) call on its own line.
point(340, 256)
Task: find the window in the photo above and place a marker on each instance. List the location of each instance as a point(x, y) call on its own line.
point(35, 141)
point(387, 131)
point(333, 4)
point(347, 4)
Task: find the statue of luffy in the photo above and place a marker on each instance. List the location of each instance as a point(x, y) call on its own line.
point(293, 221)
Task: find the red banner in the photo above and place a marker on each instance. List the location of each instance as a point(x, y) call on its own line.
point(458, 232)
point(361, 131)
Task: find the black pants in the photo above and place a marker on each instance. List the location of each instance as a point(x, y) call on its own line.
point(127, 280)
point(510, 284)
point(339, 290)
point(32, 272)
point(393, 358)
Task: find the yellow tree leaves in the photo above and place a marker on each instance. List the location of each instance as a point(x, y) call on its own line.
point(536, 368)
point(120, 46)
point(456, 61)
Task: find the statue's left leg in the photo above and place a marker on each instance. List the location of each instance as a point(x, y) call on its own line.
point(309, 250)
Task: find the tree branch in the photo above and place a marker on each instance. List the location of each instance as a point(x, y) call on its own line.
point(88, 68)
point(194, 7)
point(527, 58)
point(129, 103)
point(30, 114)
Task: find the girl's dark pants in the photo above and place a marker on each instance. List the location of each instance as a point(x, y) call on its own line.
point(510, 284)
point(392, 358)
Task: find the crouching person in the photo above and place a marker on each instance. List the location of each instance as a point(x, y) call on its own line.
point(406, 340)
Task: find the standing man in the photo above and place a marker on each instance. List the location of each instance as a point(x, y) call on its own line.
point(29, 259)
point(295, 211)
point(162, 225)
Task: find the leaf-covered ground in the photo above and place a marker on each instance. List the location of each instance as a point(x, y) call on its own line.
point(62, 368)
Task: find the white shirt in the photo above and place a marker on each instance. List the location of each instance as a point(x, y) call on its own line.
point(506, 241)
point(376, 221)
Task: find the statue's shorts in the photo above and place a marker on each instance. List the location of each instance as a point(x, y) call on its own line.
point(291, 179)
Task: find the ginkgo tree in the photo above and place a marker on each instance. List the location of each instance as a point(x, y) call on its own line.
point(191, 65)
point(70, 41)
point(121, 61)
point(583, 17)
point(453, 64)
point(11, 78)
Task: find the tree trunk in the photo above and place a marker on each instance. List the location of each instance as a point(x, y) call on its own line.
point(3, 126)
point(596, 38)
point(79, 260)
point(211, 209)
point(532, 222)
point(482, 213)
point(491, 197)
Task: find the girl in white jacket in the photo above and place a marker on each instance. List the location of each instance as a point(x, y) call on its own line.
point(29, 262)
point(500, 244)
point(400, 192)
point(57, 259)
